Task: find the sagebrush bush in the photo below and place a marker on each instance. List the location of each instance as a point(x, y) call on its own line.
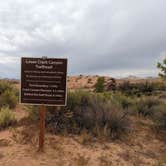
point(75, 98)
point(33, 112)
point(160, 86)
point(159, 116)
point(143, 88)
point(106, 119)
point(145, 105)
point(121, 100)
point(8, 95)
point(8, 98)
point(7, 117)
point(4, 85)
point(91, 112)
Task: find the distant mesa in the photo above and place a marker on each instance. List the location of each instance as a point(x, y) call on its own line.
point(131, 77)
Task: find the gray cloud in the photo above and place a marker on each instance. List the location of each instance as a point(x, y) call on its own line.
point(96, 36)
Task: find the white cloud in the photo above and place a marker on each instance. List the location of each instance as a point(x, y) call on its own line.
point(96, 36)
point(125, 73)
point(8, 60)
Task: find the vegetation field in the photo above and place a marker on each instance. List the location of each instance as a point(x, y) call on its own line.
point(121, 124)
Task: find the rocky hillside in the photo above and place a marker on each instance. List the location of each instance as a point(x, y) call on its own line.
point(89, 81)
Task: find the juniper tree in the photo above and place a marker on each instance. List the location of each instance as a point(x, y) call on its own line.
point(99, 86)
point(162, 67)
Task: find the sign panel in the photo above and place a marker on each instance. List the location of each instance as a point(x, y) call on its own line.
point(43, 81)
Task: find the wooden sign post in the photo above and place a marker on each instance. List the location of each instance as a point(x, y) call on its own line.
point(43, 82)
point(42, 128)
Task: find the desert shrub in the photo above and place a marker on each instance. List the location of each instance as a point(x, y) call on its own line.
point(33, 112)
point(146, 105)
point(125, 86)
point(122, 100)
point(62, 118)
point(162, 67)
point(81, 160)
point(159, 116)
point(85, 137)
point(152, 108)
point(143, 88)
point(76, 98)
point(99, 86)
point(161, 121)
point(160, 86)
point(7, 117)
point(146, 88)
point(8, 98)
point(91, 112)
point(4, 85)
point(95, 113)
point(8, 95)
point(108, 120)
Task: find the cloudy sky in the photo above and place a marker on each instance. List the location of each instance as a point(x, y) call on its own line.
point(106, 37)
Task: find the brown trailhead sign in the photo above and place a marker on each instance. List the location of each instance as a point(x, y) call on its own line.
point(43, 81)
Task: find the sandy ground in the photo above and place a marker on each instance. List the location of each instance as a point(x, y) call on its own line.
point(142, 147)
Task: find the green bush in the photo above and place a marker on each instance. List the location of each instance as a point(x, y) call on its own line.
point(91, 112)
point(162, 67)
point(8, 95)
point(4, 85)
point(33, 112)
point(8, 98)
point(159, 116)
point(7, 117)
point(143, 88)
point(122, 100)
point(105, 116)
point(160, 86)
point(76, 98)
point(145, 105)
point(124, 87)
point(99, 86)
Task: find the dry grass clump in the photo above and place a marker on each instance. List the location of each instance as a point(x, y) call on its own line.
point(152, 108)
point(7, 117)
point(81, 161)
point(105, 160)
point(25, 135)
point(159, 116)
point(33, 112)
